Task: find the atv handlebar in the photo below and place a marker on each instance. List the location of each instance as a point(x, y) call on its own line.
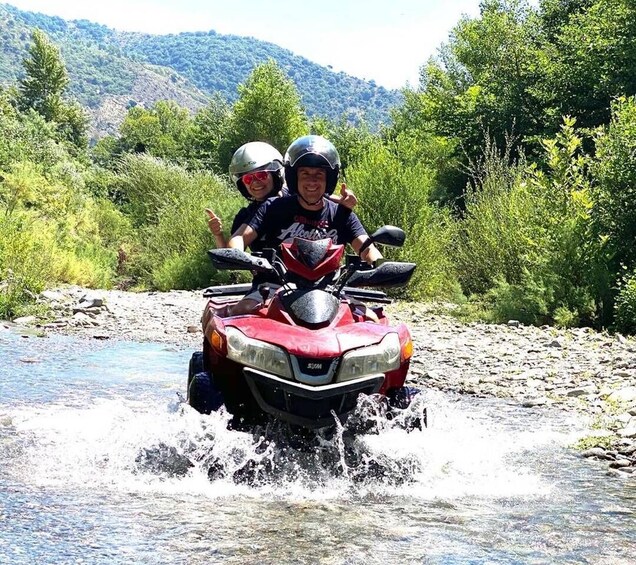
point(356, 274)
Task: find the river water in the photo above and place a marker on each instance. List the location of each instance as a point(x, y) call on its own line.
point(102, 463)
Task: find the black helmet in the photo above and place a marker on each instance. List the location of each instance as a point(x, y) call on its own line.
point(311, 151)
point(256, 156)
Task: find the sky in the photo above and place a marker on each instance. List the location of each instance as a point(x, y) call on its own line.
point(382, 40)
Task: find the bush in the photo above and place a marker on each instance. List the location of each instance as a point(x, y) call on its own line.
point(625, 305)
point(390, 193)
point(27, 259)
point(502, 230)
point(173, 233)
point(526, 240)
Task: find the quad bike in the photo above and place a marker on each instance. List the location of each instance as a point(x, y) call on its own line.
point(307, 353)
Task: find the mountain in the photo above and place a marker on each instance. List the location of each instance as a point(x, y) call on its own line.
point(111, 70)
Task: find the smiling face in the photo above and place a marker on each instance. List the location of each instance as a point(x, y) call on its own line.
point(258, 188)
point(312, 183)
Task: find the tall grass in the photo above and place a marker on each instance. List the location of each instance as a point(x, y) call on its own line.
point(167, 204)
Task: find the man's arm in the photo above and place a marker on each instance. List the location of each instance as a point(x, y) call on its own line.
point(242, 237)
point(370, 254)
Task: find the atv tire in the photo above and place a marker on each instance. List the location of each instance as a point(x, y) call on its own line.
point(399, 399)
point(203, 396)
point(196, 366)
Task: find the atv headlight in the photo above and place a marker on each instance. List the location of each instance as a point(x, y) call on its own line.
point(257, 354)
point(374, 359)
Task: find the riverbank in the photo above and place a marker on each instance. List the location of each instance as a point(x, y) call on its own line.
point(578, 370)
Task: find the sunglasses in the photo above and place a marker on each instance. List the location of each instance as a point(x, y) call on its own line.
point(249, 178)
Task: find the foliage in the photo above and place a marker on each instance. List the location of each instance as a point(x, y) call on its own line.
point(45, 80)
point(588, 48)
point(51, 228)
point(42, 89)
point(525, 240)
point(615, 192)
point(163, 131)
point(166, 205)
point(480, 85)
point(392, 194)
point(26, 262)
point(210, 130)
point(268, 109)
point(352, 141)
point(625, 305)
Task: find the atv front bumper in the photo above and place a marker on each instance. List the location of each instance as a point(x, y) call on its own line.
point(305, 405)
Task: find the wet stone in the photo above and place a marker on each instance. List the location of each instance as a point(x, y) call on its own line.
point(597, 452)
point(532, 402)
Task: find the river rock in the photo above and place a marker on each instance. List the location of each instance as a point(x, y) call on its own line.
point(25, 320)
point(628, 432)
point(532, 402)
point(623, 395)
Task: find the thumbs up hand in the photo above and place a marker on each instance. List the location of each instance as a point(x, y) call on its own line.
point(214, 222)
point(347, 197)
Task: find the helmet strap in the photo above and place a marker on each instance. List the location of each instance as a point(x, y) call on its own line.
point(307, 201)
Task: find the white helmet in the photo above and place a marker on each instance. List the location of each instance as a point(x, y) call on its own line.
point(256, 156)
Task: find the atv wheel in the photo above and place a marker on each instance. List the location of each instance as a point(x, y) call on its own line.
point(203, 396)
point(196, 366)
point(399, 399)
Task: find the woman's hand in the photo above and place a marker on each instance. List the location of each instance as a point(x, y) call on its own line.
point(214, 222)
point(216, 227)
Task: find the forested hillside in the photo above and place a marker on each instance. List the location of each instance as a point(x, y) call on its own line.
point(111, 70)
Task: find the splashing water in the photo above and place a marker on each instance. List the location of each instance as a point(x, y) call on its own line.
point(136, 445)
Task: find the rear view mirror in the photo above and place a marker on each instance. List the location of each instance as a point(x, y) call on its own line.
point(386, 235)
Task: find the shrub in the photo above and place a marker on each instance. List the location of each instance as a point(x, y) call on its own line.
point(172, 223)
point(390, 193)
point(625, 304)
point(501, 230)
point(27, 258)
point(526, 240)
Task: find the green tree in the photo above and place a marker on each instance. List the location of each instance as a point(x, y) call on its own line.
point(614, 170)
point(162, 131)
point(268, 109)
point(480, 86)
point(45, 79)
point(42, 89)
point(589, 48)
point(209, 131)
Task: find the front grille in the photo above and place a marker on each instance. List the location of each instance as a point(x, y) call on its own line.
point(306, 405)
point(314, 370)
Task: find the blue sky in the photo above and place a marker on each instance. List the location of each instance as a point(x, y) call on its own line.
point(382, 40)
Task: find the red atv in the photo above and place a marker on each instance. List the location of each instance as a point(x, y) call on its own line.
point(307, 354)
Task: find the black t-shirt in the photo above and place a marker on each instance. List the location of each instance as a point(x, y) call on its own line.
point(245, 214)
point(282, 219)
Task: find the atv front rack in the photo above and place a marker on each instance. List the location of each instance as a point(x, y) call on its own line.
point(364, 295)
